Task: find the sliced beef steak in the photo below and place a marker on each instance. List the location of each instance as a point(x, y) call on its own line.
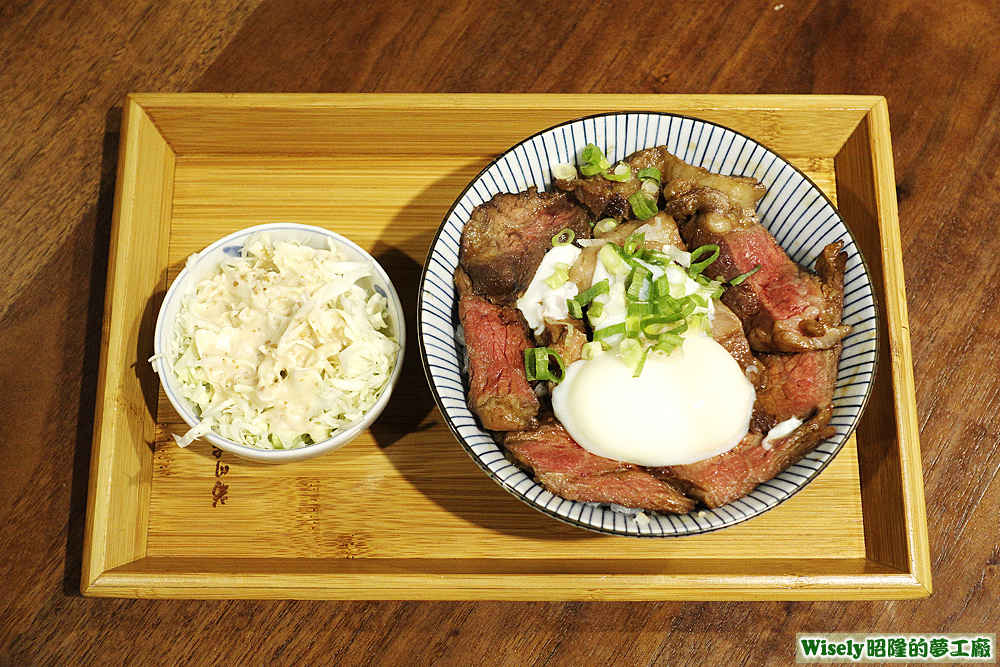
point(783, 307)
point(569, 471)
point(506, 238)
point(609, 199)
point(727, 477)
point(495, 339)
point(604, 198)
point(796, 385)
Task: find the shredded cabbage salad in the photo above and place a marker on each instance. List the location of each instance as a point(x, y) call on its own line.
point(283, 346)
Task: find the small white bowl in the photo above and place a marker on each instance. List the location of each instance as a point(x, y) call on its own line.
point(206, 265)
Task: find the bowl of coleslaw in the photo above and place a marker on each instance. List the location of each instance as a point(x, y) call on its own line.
point(279, 342)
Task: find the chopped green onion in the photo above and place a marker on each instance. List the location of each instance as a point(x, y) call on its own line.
point(611, 330)
point(537, 364)
point(698, 322)
point(620, 173)
point(631, 351)
point(699, 300)
point(656, 325)
point(697, 267)
point(743, 276)
point(661, 287)
point(575, 309)
point(559, 276)
point(594, 161)
point(657, 257)
point(674, 308)
point(633, 243)
point(591, 350)
point(612, 261)
point(668, 342)
point(651, 174)
point(602, 287)
point(564, 171)
point(640, 363)
point(596, 309)
point(642, 205)
point(633, 326)
point(635, 282)
point(564, 237)
point(604, 226)
point(640, 308)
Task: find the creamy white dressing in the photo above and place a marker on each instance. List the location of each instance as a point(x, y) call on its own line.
point(780, 430)
point(283, 347)
point(540, 302)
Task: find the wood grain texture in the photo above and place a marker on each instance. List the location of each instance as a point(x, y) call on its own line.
point(65, 71)
point(340, 511)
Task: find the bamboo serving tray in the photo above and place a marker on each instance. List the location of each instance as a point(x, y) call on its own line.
point(403, 512)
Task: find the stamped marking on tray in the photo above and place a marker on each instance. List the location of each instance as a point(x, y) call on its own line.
point(220, 492)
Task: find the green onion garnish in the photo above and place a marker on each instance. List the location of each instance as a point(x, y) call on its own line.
point(537, 364)
point(559, 276)
point(591, 349)
point(594, 161)
point(656, 325)
point(612, 260)
point(611, 330)
point(640, 363)
point(661, 287)
point(642, 205)
point(575, 309)
point(640, 308)
point(697, 267)
point(635, 281)
point(743, 276)
point(564, 237)
point(602, 287)
point(604, 226)
point(668, 342)
point(649, 174)
point(631, 351)
point(596, 309)
point(620, 173)
point(633, 243)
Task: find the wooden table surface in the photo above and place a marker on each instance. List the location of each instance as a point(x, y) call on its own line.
point(64, 69)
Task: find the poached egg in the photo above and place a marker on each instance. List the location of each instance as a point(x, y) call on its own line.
point(684, 407)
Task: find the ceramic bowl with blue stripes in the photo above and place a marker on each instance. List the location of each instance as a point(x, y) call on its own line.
point(794, 210)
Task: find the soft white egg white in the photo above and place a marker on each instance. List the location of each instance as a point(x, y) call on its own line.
point(683, 408)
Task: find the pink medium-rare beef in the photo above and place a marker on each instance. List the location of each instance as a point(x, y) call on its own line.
point(730, 476)
point(505, 239)
point(783, 307)
point(496, 338)
point(796, 385)
point(567, 470)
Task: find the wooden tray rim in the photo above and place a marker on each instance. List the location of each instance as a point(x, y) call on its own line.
point(141, 578)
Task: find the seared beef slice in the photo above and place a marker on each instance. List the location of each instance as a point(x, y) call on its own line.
point(783, 307)
point(727, 477)
point(567, 470)
point(797, 385)
point(506, 238)
point(495, 338)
